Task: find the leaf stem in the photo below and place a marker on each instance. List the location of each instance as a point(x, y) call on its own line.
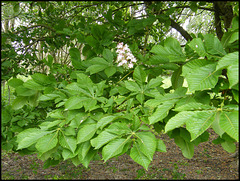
point(125, 76)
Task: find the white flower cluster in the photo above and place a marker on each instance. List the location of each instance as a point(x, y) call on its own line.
point(125, 57)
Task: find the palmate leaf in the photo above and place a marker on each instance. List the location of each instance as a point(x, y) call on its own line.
point(30, 136)
point(105, 120)
point(47, 142)
point(68, 142)
point(138, 156)
point(14, 82)
point(178, 93)
point(75, 102)
point(162, 111)
point(231, 63)
point(102, 139)
point(229, 123)
point(139, 75)
point(199, 122)
point(186, 147)
point(147, 143)
point(86, 133)
point(19, 102)
point(203, 78)
point(197, 45)
point(213, 45)
point(233, 74)
point(90, 155)
point(178, 120)
point(83, 149)
point(114, 148)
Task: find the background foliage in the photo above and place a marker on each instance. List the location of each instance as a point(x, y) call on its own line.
point(77, 103)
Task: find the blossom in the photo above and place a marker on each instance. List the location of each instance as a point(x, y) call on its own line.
point(125, 57)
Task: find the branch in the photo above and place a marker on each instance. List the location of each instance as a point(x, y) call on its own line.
point(217, 22)
point(34, 26)
point(183, 32)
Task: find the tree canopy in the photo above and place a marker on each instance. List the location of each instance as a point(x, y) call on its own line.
point(33, 30)
point(96, 72)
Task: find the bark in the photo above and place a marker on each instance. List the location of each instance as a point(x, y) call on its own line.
point(222, 11)
point(180, 29)
point(174, 24)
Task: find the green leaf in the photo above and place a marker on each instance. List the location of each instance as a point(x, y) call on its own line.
point(229, 59)
point(48, 154)
point(31, 84)
point(96, 68)
point(66, 154)
point(105, 120)
point(57, 114)
point(41, 79)
point(229, 146)
point(132, 86)
point(19, 102)
point(90, 104)
point(169, 53)
point(194, 6)
point(140, 97)
point(102, 139)
point(78, 90)
point(203, 78)
point(191, 106)
point(161, 111)
point(90, 155)
point(30, 136)
point(200, 121)
point(235, 95)
point(113, 148)
point(48, 97)
point(215, 125)
point(68, 142)
point(155, 82)
point(197, 45)
point(119, 128)
point(230, 124)
point(178, 93)
point(109, 71)
point(158, 59)
point(147, 143)
point(16, 8)
point(193, 65)
point(75, 160)
point(47, 142)
point(161, 147)
point(174, 46)
point(23, 91)
point(233, 74)
point(138, 156)
point(234, 37)
point(14, 82)
point(75, 102)
point(231, 62)
point(139, 75)
point(86, 133)
point(107, 54)
point(75, 58)
point(213, 45)
point(177, 79)
point(83, 149)
point(46, 125)
point(187, 148)
point(84, 81)
point(178, 120)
